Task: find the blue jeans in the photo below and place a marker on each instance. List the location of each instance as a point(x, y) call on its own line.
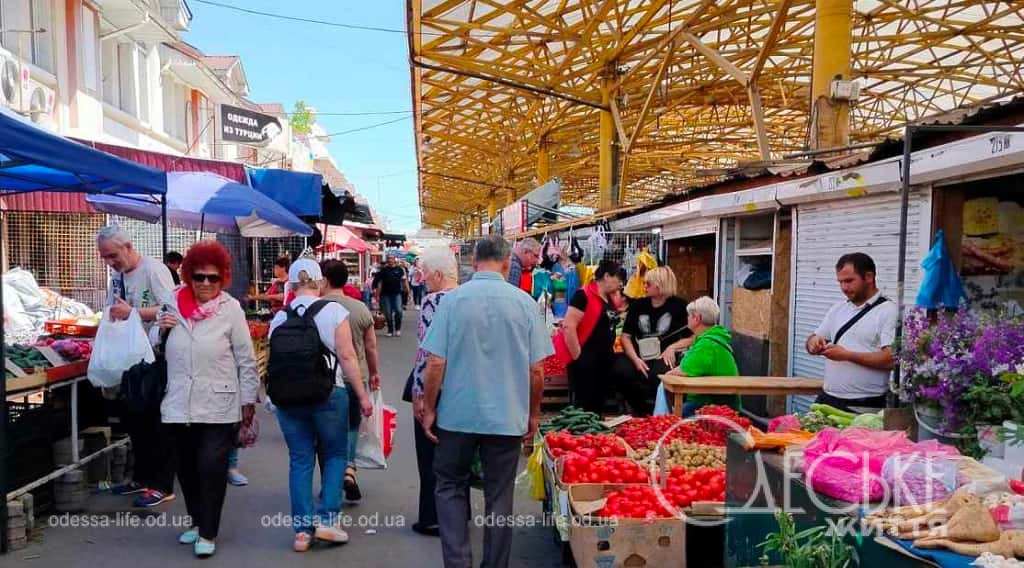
point(310, 430)
point(391, 305)
point(233, 458)
point(368, 297)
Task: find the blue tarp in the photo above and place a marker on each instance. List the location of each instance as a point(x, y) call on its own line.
point(32, 159)
point(298, 192)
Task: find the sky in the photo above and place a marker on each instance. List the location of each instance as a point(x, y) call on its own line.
point(336, 71)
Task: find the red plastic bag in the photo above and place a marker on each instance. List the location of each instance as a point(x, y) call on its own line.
point(847, 464)
point(376, 435)
point(390, 416)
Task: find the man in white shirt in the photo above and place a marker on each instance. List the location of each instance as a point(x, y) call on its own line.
point(859, 354)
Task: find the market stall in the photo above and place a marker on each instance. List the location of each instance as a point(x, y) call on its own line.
point(32, 160)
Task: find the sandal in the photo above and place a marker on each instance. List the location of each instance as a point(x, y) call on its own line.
point(352, 492)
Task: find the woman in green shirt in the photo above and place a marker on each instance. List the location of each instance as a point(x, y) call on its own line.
point(710, 355)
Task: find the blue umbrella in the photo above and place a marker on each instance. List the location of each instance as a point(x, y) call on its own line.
point(206, 201)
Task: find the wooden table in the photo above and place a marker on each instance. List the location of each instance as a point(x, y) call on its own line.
point(679, 386)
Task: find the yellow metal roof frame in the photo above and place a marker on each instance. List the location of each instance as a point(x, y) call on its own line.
point(493, 81)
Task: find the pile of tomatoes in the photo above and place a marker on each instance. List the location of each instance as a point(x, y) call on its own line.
point(684, 486)
point(638, 502)
point(639, 431)
point(581, 469)
point(587, 445)
point(731, 421)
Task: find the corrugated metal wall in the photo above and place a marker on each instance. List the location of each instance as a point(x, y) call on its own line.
point(826, 231)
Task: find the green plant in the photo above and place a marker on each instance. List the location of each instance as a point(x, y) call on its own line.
point(302, 118)
point(815, 547)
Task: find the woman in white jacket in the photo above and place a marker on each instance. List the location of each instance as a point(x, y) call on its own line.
point(212, 385)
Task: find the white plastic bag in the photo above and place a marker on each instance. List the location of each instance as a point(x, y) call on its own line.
point(375, 435)
point(118, 346)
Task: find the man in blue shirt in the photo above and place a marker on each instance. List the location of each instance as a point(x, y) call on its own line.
point(487, 345)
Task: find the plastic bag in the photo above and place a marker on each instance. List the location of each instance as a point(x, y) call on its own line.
point(376, 435)
point(847, 464)
point(118, 346)
point(535, 469)
point(787, 423)
point(248, 434)
point(916, 479)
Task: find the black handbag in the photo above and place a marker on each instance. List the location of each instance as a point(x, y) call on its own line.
point(143, 385)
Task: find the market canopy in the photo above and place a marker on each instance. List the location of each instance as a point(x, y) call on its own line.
point(341, 239)
point(298, 192)
point(506, 91)
point(199, 200)
point(33, 159)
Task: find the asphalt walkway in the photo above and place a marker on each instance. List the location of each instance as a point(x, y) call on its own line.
point(248, 536)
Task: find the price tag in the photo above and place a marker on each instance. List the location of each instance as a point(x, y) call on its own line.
point(14, 368)
point(52, 356)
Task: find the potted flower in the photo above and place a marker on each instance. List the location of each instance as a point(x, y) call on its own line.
point(959, 369)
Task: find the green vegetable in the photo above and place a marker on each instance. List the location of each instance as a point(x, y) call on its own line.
point(826, 410)
point(870, 420)
point(814, 421)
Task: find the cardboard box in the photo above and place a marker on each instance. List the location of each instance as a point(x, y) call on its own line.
point(621, 543)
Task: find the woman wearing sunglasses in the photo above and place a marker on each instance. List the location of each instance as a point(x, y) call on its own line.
point(212, 385)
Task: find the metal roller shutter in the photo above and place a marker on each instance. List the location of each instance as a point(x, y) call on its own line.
point(690, 228)
point(826, 231)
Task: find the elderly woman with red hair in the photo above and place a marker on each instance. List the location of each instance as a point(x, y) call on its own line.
point(212, 385)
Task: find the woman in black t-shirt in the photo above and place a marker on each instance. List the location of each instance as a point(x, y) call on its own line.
point(590, 336)
point(659, 322)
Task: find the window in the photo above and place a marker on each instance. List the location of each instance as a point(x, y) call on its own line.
point(127, 65)
point(175, 108)
point(111, 73)
point(22, 21)
point(90, 48)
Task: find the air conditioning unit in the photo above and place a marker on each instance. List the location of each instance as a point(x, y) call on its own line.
point(39, 107)
point(845, 90)
point(11, 94)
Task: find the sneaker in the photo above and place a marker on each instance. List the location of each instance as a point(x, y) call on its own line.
point(331, 534)
point(398, 334)
point(129, 488)
point(189, 537)
point(236, 478)
point(390, 334)
point(302, 542)
point(152, 498)
point(204, 548)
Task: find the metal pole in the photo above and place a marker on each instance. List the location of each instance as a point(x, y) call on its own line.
point(74, 423)
point(163, 221)
point(6, 457)
point(901, 261)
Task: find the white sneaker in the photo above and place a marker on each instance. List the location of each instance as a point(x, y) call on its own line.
point(331, 534)
point(390, 334)
point(398, 334)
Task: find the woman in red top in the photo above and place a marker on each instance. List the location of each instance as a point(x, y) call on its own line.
point(275, 293)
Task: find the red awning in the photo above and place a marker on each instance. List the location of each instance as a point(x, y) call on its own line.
point(340, 238)
point(54, 202)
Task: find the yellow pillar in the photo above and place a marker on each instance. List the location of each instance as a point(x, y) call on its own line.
point(492, 206)
point(605, 153)
point(543, 163)
point(833, 38)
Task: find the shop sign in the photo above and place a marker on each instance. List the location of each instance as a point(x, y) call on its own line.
point(248, 127)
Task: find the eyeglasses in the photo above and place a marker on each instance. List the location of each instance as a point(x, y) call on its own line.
point(200, 277)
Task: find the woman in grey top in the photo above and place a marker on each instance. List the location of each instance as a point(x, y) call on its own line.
point(212, 385)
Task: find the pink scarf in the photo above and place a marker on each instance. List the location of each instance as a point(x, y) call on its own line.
point(190, 308)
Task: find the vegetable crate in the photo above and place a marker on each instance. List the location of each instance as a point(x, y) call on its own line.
point(619, 543)
point(70, 328)
point(556, 382)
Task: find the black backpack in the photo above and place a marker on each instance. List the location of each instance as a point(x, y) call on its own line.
point(300, 371)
